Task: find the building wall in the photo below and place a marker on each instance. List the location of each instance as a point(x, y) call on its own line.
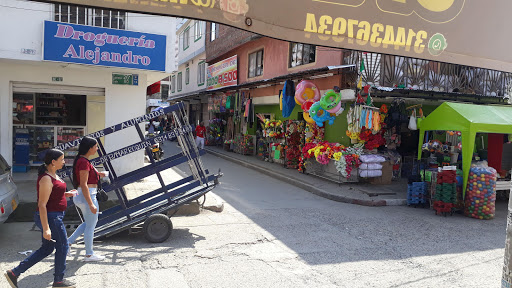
point(276, 59)
point(196, 46)
point(192, 85)
point(228, 38)
point(122, 102)
point(21, 61)
point(26, 32)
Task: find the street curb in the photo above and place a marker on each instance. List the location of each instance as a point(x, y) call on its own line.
point(310, 188)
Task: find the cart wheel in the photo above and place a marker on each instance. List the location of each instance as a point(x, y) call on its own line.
point(157, 228)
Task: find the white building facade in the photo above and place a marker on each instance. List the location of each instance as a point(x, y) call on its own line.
point(68, 71)
point(189, 80)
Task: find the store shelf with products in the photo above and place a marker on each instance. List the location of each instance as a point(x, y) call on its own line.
point(51, 109)
point(67, 134)
point(23, 108)
point(40, 138)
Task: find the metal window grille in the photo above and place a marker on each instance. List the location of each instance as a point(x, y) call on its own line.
point(301, 54)
point(74, 14)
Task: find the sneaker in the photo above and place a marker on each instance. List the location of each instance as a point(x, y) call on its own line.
point(64, 284)
point(11, 278)
point(94, 258)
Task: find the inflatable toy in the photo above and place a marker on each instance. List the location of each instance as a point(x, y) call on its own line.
point(331, 101)
point(306, 90)
point(308, 119)
point(307, 105)
point(320, 115)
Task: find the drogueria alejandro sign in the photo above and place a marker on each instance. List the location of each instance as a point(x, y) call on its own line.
point(467, 32)
point(64, 42)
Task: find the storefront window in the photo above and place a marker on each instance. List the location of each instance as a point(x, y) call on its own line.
point(47, 119)
point(23, 108)
point(58, 109)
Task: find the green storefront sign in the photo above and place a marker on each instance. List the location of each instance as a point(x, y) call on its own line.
point(125, 79)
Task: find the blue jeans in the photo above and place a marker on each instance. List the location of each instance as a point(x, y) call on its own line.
point(90, 220)
point(60, 245)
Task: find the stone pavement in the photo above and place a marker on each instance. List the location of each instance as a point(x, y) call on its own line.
point(365, 194)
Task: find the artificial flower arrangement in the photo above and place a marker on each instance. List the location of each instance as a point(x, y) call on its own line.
point(370, 139)
point(346, 158)
point(293, 140)
point(273, 128)
point(229, 141)
point(313, 133)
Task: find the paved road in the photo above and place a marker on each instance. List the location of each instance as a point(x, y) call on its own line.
point(272, 234)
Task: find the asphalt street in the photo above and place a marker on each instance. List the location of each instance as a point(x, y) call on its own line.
point(272, 234)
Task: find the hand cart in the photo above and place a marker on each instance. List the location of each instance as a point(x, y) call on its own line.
point(150, 208)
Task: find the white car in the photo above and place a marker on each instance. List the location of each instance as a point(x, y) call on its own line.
point(9, 198)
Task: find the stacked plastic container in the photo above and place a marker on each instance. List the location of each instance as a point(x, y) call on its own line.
point(446, 191)
point(481, 193)
point(416, 193)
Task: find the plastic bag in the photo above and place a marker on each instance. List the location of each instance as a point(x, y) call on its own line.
point(412, 121)
point(372, 158)
point(371, 166)
point(369, 173)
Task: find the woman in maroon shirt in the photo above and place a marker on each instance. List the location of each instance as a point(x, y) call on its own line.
point(85, 178)
point(51, 206)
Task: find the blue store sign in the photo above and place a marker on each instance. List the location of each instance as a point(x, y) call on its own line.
point(64, 42)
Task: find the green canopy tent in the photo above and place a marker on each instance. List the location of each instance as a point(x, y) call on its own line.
point(469, 119)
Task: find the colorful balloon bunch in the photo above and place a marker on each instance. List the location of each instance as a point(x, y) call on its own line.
point(317, 109)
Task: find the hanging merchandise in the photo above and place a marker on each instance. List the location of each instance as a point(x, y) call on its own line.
point(420, 118)
point(317, 113)
point(281, 101)
point(229, 102)
point(307, 105)
point(412, 121)
point(288, 98)
point(396, 116)
point(331, 101)
point(307, 90)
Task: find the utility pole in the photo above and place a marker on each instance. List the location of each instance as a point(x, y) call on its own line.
point(506, 279)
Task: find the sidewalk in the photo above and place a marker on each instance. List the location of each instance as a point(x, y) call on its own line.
point(394, 194)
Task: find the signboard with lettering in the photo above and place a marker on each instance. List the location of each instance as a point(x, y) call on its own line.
point(222, 74)
point(454, 31)
point(64, 42)
point(125, 79)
